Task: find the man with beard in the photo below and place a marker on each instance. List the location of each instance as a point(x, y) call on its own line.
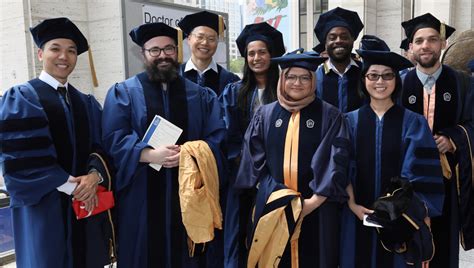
point(338, 77)
point(445, 98)
point(203, 31)
point(150, 228)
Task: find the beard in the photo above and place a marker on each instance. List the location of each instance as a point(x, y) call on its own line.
point(339, 57)
point(162, 74)
point(427, 63)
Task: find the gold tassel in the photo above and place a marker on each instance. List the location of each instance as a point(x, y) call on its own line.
point(294, 242)
point(95, 82)
point(447, 173)
point(191, 247)
point(180, 45)
point(442, 30)
point(221, 26)
point(326, 68)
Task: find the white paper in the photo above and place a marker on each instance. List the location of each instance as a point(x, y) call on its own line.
point(370, 223)
point(67, 187)
point(161, 132)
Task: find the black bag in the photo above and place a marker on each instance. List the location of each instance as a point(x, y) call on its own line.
point(401, 214)
point(389, 211)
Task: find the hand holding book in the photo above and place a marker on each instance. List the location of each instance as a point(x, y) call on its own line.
point(161, 135)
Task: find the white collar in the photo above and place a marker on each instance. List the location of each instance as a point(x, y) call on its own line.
point(48, 79)
point(332, 67)
point(190, 66)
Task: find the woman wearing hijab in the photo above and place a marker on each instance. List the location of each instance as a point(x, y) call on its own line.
point(300, 142)
point(388, 141)
point(257, 44)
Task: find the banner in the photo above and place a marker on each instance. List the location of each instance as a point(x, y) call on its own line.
point(279, 14)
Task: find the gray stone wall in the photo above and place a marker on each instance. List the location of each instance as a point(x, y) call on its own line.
point(99, 20)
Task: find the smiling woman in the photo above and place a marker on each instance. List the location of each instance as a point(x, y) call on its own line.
point(387, 140)
point(380, 84)
point(257, 44)
point(258, 57)
point(298, 83)
point(381, 81)
point(296, 143)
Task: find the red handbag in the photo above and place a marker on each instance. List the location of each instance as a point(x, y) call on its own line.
point(106, 202)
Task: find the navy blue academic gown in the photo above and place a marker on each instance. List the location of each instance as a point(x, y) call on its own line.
point(339, 91)
point(43, 142)
point(323, 152)
point(453, 118)
point(235, 218)
point(150, 229)
point(399, 144)
point(215, 81)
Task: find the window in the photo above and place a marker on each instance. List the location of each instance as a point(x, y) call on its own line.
point(319, 6)
point(302, 6)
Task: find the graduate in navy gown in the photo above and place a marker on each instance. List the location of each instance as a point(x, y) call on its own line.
point(388, 141)
point(203, 31)
point(372, 42)
point(407, 53)
point(150, 229)
point(444, 97)
point(48, 132)
point(302, 142)
point(257, 43)
point(338, 77)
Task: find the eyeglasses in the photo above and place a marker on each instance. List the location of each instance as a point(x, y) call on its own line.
point(304, 79)
point(156, 51)
point(201, 37)
point(376, 77)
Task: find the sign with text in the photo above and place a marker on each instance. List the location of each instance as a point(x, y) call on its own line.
point(138, 12)
point(172, 16)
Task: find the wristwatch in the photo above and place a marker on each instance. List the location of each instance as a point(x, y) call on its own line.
point(101, 179)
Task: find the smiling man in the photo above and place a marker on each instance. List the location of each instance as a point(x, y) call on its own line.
point(203, 31)
point(445, 98)
point(338, 77)
point(50, 141)
point(150, 228)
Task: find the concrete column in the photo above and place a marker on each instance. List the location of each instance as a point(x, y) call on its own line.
point(15, 50)
point(366, 13)
point(462, 15)
point(439, 8)
point(75, 10)
point(105, 35)
point(406, 13)
point(389, 19)
point(99, 20)
point(309, 24)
